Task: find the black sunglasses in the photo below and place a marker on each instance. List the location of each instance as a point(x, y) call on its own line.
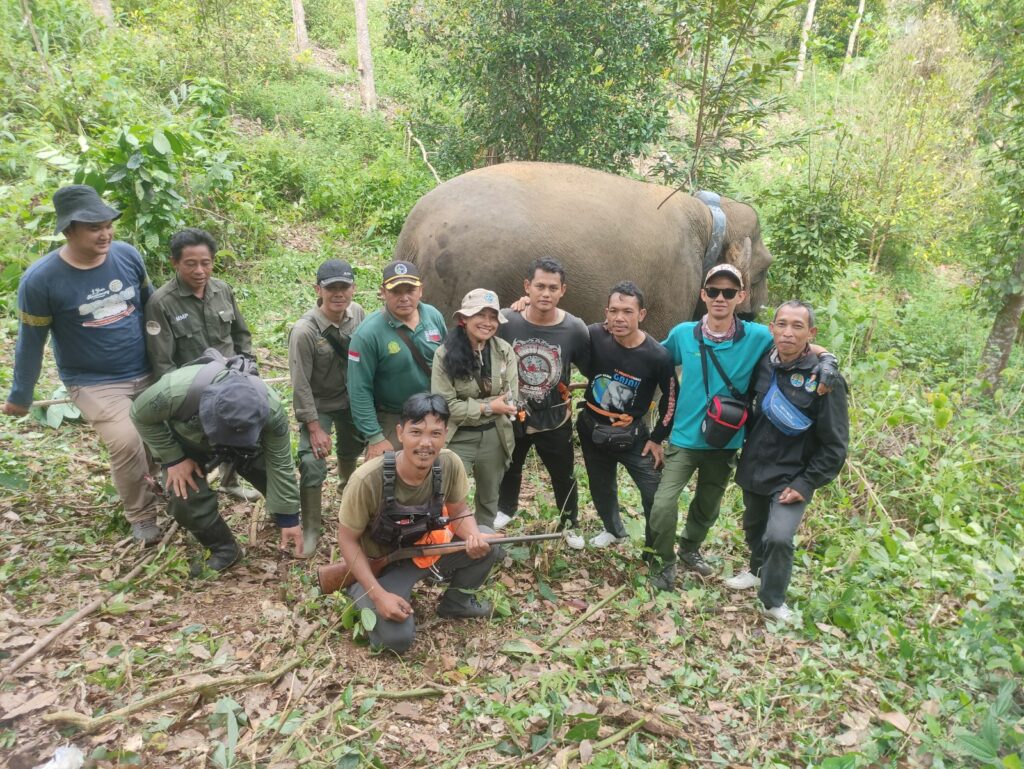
point(728, 293)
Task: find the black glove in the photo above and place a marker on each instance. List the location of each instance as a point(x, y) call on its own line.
point(827, 370)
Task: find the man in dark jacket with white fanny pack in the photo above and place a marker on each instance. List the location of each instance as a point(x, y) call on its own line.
point(795, 444)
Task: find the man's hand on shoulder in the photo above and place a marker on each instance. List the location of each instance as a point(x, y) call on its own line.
point(377, 449)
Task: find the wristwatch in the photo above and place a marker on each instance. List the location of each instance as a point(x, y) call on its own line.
point(488, 411)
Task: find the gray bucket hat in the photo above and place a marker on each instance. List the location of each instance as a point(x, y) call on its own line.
point(80, 203)
point(234, 410)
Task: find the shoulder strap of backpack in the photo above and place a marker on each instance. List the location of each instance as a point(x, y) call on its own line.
point(204, 378)
point(388, 474)
point(437, 499)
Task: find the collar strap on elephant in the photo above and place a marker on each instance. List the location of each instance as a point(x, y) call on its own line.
point(714, 203)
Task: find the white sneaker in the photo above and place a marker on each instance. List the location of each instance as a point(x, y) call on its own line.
point(574, 539)
point(781, 614)
point(604, 539)
point(742, 581)
point(501, 521)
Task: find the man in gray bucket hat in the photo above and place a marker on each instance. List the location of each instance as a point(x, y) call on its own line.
point(202, 415)
point(89, 295)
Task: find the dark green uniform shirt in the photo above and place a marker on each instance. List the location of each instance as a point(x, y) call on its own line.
point(153, 415)
point(319, 374)
point(180, 325)
point(382, 372)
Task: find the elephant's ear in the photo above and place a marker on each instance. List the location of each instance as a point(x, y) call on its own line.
point(739, 255)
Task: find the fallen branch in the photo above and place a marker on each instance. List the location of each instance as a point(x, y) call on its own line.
point(584, 617)
point(85, 611)
point(339, 703)
point(615, 710)
point(89, 725)
point(562, 757)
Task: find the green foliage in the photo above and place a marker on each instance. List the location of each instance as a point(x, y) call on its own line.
point(812, 235)
point(727, 84)
point(576, 81)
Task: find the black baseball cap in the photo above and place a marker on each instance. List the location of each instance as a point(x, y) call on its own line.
point(335, 271)
point(400, 272)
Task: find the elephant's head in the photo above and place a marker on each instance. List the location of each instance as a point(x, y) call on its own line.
point(753, 260)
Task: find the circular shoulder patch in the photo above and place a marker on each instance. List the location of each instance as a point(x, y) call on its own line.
point(152, 328)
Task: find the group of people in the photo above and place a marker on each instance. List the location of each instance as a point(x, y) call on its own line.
point(167, 378)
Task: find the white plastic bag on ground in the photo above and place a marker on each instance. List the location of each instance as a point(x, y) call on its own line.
point(68, 757)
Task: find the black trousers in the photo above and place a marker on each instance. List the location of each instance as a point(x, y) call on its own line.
point(554, 447)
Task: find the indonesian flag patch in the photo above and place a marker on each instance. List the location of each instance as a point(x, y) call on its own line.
point(353, 355)
point(434, 335)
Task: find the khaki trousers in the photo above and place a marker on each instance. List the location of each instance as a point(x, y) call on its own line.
point(485, 460)
point(105, 407)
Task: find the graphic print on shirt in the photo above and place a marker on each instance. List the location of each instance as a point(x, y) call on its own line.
point(540, 367)
point(615, 392)
point(107, 305)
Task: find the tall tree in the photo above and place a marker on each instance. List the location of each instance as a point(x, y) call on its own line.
point(805, 34)
point(299, 22)
point(999, 37)
point(367, 86)
point(851, 44)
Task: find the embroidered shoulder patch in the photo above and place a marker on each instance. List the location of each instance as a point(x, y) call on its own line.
point(153, 328)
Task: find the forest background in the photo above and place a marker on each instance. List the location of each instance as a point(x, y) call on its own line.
point(886, 166)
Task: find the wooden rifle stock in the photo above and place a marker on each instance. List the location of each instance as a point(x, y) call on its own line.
point(337, 576)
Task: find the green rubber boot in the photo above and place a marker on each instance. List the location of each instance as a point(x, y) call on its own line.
point(224, 549)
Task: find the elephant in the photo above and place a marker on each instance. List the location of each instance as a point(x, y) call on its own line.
point(484, 228)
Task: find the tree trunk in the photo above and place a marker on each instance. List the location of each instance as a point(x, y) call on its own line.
point(299, 20)
point(805, 33)
point(851, 45)
point(999, 345)
point(105, 10)
point(367, 88)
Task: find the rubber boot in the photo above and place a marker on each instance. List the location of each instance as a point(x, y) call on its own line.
point(231, 484)
point(345, 469)
point(225, 551)
point(310, 505)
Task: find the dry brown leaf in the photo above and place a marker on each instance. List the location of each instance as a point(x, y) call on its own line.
point(429, 742)
point(40, 701)
point(725, 639)
point(199, 651)
point(406, 710)
point(832, 630)
point(586, 751)
point(15, 641)
point(579, 707)
point(856, 719)
point(189, 739)
point(898, 720)
point(852, 738)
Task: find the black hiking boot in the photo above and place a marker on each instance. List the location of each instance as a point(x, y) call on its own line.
point(225, 551)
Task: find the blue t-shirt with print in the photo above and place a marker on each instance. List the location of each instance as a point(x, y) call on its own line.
point(95, 315)
point(738, 358)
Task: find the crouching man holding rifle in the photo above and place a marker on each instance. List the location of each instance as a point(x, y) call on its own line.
point(414, 495)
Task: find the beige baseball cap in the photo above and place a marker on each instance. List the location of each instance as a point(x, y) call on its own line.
point(725, 269)
point(480, 299)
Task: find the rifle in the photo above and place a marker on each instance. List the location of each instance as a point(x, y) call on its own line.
point(337, 576)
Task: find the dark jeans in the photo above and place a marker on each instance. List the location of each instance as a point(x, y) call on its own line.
point(604, 487)
point(466, 574)
point(770, 527)
point(198, 511)
point(554, 447)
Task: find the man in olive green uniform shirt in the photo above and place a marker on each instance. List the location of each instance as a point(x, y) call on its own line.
point(318, 363)
point(194, 311)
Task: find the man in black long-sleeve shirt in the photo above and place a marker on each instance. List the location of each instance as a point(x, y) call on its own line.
point(625, 368)
point(795, 444)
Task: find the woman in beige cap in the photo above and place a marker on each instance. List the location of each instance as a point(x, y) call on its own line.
point(477, 374)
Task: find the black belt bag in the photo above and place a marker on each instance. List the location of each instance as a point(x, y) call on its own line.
point(616, 439)
point(724, 417)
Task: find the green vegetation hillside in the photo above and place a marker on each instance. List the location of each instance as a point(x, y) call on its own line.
point(890, 196)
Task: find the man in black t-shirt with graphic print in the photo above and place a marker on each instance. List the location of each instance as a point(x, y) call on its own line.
point(625, 368)
point(547, 342)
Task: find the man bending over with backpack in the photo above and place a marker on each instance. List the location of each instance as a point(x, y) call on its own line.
point(213, 412)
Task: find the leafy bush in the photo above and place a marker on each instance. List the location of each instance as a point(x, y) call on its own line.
point(577, 81)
